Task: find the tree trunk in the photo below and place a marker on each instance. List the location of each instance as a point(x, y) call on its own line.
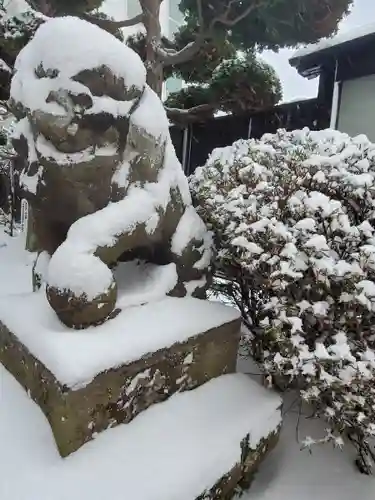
point(154, 66)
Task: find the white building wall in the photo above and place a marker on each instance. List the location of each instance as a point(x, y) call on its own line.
point(356, 112)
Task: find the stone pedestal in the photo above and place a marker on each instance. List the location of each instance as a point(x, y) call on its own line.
point(204, 444)
point(86, 382)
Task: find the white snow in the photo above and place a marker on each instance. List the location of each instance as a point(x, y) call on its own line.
point(52, 47)
point(241, 241)
point(338, 39)
point(190, 228)
point(74, 266)
point(150, 116)
point(79, 272)
point(106, 104)
point(18, 8)
point(47, 150)
point(121, 175)
point(140, 282)
point(31, 468)
point(135, 332)
point(367, 287)
point(41, 265)
point(318, 242)
point(173, 451)
point(191, 286)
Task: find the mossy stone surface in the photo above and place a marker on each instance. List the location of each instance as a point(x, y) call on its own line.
point(118, 395)
point(241, 476)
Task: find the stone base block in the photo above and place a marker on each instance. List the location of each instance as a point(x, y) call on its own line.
point(88, 381)
point(202, 444)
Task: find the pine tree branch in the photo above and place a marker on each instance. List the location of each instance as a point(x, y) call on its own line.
point(225, 17)
point(110, 25)
point(194, 114)
point(170, 57)
point(187, 53)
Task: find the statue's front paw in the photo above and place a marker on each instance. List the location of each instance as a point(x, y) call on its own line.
point(79, 312)
point(80, 287)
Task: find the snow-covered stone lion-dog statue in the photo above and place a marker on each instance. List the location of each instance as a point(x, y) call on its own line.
point(99, 171)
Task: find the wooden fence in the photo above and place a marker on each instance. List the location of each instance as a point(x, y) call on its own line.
point(194, 143)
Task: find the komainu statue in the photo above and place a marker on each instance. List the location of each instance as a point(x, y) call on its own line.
point(99, 171)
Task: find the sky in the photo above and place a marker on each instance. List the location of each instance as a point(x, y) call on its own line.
point(294, 86)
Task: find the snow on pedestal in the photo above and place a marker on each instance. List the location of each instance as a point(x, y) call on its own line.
point(76, 358)
point(176, 450)
point(90, 380)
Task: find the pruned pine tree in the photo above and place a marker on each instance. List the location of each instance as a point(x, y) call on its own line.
point(215, 49)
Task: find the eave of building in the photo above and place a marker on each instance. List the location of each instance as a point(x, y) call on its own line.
point(310, 63)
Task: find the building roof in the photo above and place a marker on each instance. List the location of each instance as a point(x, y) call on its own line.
point(308, 60)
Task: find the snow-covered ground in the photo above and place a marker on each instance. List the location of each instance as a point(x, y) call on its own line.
point(292, 474)
point(288, 474)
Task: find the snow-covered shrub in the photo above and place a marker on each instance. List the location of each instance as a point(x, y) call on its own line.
point(294, 221)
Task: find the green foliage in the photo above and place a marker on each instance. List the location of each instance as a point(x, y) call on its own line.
point(201, 67)
point(270, 23)
point(231, 83)
point(117, 32)
point(15, 32)
point(137, 42)
point(245, 84)
point(239, 84)
point(191, 96)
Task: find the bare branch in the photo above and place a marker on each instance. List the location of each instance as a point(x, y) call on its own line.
point(168, 51)
point(225, 19)
point(110, 25)
point(222, 16)
point(169, 57)
point(194, 114)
